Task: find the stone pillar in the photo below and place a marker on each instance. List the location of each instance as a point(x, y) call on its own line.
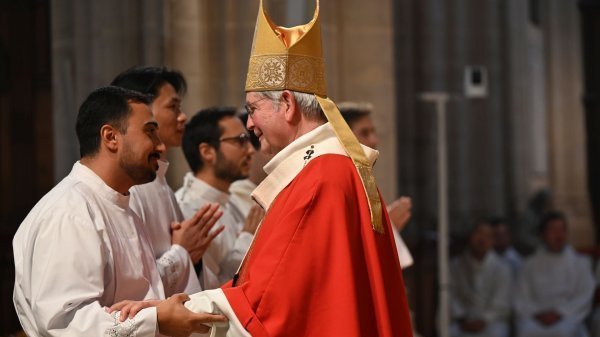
point(209, 41)
point(358, 41)
point(92, 41)
point(590, 40)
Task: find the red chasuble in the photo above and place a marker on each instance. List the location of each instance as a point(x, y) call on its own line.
point(317, 267)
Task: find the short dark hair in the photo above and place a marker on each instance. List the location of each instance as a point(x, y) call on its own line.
point(107, 105)
point(253, 139)
point(203, 128)
point(549, 217)
point(148, 80)
point(351, 111)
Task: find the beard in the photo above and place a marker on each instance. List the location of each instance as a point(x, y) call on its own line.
point(227, 170)
point(138, 172)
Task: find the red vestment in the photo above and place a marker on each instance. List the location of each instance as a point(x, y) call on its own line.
point(317, 267)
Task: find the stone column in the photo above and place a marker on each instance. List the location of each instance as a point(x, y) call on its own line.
point(566, 127)
point(590, 29)
point(209, 41)
point(92, 41)
point(358, 41)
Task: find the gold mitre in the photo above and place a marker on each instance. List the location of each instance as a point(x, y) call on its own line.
point(286, 58)
point(292, 59)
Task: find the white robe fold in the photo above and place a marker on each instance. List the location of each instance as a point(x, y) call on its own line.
point(225, 253)
point(156, 205)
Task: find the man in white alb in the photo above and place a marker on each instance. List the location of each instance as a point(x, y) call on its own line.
point(177, 250)
point(480, 288)
point(81, 248)
point(217, 148)
point(555, 286)
point(504, 248)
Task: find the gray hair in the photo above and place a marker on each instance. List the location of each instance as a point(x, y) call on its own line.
point(307, 102)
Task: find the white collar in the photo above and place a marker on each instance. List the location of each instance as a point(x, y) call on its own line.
point(163, 166)
point(201, 189)
point(288, 163)
point(91, 179)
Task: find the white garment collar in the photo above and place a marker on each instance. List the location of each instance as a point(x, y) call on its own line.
point(488, 258)
point(91, 179)
point(568, 251)
point(163, 166)
point(290, 161)
point(203, 190)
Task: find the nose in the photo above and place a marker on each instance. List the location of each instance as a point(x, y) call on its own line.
point(250, 148)
point(250, 123)
point(160, 146)
point(182, 118)
point(374, 140)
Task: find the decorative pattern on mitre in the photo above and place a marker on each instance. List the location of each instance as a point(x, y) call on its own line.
point(286, 71)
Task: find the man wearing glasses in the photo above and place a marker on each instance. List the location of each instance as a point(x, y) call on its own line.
point(218, 150)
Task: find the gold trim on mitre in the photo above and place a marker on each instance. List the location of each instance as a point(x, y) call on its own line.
point(292, 59)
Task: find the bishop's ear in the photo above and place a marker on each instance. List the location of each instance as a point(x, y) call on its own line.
point(109, 137)
point(288, 103)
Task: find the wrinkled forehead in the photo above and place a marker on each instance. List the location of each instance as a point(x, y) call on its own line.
point(252, 96)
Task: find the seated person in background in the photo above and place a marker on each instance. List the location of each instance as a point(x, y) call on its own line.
point(503, 247)
point(555, 286)
point(217, 148)
point(358, 117)
point(480, 287)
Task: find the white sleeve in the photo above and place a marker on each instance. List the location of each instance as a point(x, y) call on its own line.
point(215, 302)
point(65, 282)
point(499, 306)
point(177, 272)
point(457, 310)
point(582, 293)
point(232, 260)
point(524, 305)
point(406, 259)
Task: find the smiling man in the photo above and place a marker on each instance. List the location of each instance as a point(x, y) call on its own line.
point(218, 150)
point(81, 248)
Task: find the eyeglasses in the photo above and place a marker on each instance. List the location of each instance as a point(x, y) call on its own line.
point(250, 108)
point(241, 140)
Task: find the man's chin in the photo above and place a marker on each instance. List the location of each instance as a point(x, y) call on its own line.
point(148, 178)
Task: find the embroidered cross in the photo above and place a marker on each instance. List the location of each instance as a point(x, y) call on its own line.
point(309, 154)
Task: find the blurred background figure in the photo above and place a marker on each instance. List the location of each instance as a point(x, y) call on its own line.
point(555, 286)
point(503, 245)
point(358, 117)
point(480, 288)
